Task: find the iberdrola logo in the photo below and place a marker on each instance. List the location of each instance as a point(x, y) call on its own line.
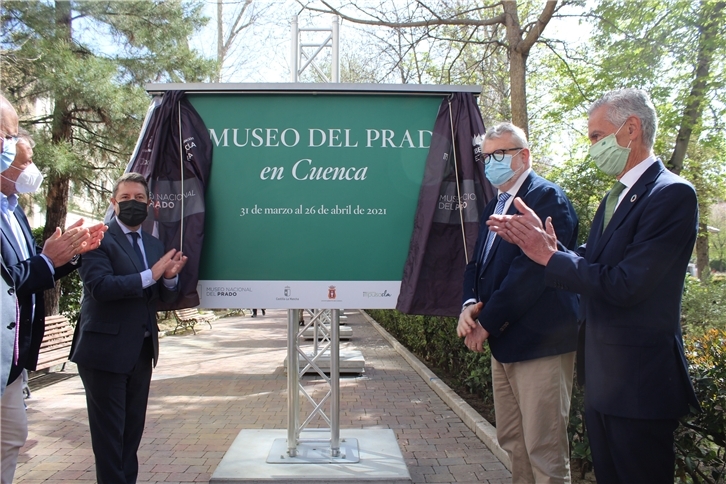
point(476, 142)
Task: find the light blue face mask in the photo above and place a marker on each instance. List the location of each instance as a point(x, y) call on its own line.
point(499, 172)
point(8, 153)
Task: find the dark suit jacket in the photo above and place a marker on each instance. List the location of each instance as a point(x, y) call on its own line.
point(115, 307)
point(525, 318)
point(31, 277)
point(631, 281)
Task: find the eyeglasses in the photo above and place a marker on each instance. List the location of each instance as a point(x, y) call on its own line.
point(498, 155)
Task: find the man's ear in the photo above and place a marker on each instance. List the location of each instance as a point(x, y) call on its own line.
point(634, 127)
point(527, 156)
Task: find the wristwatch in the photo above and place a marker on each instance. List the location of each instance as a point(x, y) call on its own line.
point(466, 305)
point(74, 260)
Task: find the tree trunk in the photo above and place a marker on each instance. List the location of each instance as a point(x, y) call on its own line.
point(702, 265)
point(517, 67)
point(220, 41)
point(58, 184)
point(708, 40)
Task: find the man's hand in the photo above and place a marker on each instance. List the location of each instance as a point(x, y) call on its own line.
point(177, 264)
point(467, 319)
point(169, 265)
point(61, 247)
point(475, 340)
point(526, 231)
point(96, 236)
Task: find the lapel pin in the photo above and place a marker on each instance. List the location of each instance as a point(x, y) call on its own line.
point(633, 198)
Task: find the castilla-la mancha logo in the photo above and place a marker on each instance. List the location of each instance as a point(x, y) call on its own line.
point(287, 291)
point(331, 292)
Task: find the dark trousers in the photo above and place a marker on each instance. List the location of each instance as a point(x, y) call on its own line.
point(116, 415)
point(631, 451)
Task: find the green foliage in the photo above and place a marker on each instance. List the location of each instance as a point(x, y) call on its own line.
point(701, 439)
point(76, 72)
point(576, 431)
point(434, 340)
point(585, 186)
point(703, 305)
point(71, 288)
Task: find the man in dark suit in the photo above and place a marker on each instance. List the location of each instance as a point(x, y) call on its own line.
point(117, 339)
point(531, 328)
point(630, 275)
point(30, 271)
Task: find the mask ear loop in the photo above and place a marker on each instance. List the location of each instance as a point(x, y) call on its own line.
point(618, 130)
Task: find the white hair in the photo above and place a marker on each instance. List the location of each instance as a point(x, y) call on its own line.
point(499, 130)
point(623, 103)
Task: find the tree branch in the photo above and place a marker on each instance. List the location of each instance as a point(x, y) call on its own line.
point(539, 26)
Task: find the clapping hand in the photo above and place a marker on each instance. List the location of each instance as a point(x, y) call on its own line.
point(526, 231)
point(169, 265)
point(62, 246)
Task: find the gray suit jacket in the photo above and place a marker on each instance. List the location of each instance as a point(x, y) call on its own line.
point(7, 326)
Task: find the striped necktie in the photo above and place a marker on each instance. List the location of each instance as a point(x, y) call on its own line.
point(503, 197)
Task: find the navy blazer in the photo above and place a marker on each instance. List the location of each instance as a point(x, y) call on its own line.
point(30, 277)
point(631, 281)
point(115, 306)
point(525, 318)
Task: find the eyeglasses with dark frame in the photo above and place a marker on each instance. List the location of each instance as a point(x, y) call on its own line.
point(498, 155)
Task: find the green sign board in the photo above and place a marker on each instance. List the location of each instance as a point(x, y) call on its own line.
point(312, 195)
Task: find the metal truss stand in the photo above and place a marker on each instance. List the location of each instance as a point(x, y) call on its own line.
point(313, 450)
point(301, 56)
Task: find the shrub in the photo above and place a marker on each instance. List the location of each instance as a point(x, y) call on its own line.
point(703, 305)
point(433, 339)
point(701, 439)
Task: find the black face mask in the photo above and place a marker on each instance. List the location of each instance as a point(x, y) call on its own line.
point(132, 212)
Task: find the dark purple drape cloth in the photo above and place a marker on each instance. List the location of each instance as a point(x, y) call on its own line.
point(447, 218)
point(174, 153)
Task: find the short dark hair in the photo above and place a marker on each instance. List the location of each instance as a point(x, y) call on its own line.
point(131, 177)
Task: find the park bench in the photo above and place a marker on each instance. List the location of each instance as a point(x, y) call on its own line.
point(56, 344)
point(188, 318)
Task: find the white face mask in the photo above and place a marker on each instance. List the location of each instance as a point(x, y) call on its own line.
point(29, 180)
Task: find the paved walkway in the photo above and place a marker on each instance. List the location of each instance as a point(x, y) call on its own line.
point(208, 387)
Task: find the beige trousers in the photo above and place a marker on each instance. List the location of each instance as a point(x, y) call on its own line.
point(14, 428)
point(532, 407)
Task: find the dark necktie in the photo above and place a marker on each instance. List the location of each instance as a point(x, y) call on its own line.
point(135, 238)
point(611, 202)
point(498, 210)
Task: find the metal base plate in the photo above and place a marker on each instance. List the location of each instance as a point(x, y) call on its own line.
point(381, 461)
point(314, 452)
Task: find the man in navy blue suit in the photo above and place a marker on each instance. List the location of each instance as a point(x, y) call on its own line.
point(630, 276)
point(531, 328)
point(29, 270)
point(116, 342)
